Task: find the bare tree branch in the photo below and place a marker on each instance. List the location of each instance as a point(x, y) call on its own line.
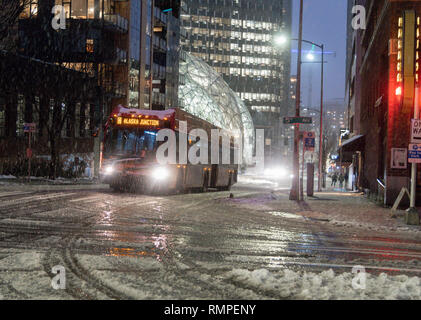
point(9, 14)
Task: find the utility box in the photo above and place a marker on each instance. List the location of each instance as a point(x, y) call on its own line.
point(310, 179)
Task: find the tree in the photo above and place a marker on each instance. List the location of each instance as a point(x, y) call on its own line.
point(10, 11)
point(69, 88)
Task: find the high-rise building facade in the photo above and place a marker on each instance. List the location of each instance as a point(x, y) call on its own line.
point(118, 40)
point(236, 38)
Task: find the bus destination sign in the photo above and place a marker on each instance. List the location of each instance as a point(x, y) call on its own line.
point(137, 122)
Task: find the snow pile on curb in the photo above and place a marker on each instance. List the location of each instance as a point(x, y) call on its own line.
point(372, 226)
point(287, 284)
point(4, 177)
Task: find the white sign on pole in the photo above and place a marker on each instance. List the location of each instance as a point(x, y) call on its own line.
point(414, 153)
point(399, 158)
point(416, 131)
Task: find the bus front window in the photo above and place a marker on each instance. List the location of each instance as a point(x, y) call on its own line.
point(129, 142)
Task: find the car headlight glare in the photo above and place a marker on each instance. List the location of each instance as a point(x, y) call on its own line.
point(276, 172)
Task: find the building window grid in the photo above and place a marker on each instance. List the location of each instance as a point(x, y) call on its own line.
point(31, 10)
point(240, 35)
point(85, 9)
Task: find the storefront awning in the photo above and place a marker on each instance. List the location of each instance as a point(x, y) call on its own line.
point(354, 144)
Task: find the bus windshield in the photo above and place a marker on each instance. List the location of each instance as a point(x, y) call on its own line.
point(129, 142)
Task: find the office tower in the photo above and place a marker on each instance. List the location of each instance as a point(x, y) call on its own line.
point(236, 38)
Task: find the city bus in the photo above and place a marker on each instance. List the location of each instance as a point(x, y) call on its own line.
point(129, 162)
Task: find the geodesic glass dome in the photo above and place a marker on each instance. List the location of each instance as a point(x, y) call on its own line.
point(206, 95)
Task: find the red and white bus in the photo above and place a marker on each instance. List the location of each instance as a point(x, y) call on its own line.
point(129, 161)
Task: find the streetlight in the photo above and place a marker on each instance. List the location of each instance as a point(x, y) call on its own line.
point(310, 56)
point(295, 189)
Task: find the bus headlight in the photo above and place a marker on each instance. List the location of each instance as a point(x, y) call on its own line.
point(109, 170)
point(160, 173)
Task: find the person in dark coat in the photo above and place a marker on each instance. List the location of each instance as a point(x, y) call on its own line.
point(334, 180)
point(341, 181)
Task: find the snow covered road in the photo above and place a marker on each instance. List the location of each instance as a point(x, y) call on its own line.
point(194, 246)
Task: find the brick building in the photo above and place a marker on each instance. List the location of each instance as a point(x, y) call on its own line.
point(381, 79)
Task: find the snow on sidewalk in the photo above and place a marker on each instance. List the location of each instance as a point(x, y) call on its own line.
point(345, 209)
point(288, 284)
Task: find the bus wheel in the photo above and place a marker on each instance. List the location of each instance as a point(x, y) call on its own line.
point(228, 187)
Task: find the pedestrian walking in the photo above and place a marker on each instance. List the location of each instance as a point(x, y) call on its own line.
point(341, 181)
point(334, 180)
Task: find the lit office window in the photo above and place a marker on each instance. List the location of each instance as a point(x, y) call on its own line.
point(31, 10)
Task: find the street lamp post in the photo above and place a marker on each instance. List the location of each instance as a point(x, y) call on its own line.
point(321, 174)
point(295, 189)
point(322, 47)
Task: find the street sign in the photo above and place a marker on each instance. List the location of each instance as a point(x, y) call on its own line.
point(399, 159)
point(309, 141)
point(29, 127)
point(414, 153)
point(298, 120)
point(416, 131)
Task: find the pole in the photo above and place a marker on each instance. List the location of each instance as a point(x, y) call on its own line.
point(414, 165)
point(321, 125)
point(324, 152)
point(302, 173)
point(294, 194)
point(29, 157)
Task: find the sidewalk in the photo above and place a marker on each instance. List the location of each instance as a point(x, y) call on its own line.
point(45, 184)
point(341, 208)
point(11, 180)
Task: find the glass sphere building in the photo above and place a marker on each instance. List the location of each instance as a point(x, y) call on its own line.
point(204, 93)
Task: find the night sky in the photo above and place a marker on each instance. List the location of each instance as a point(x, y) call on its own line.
point(324, 23)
